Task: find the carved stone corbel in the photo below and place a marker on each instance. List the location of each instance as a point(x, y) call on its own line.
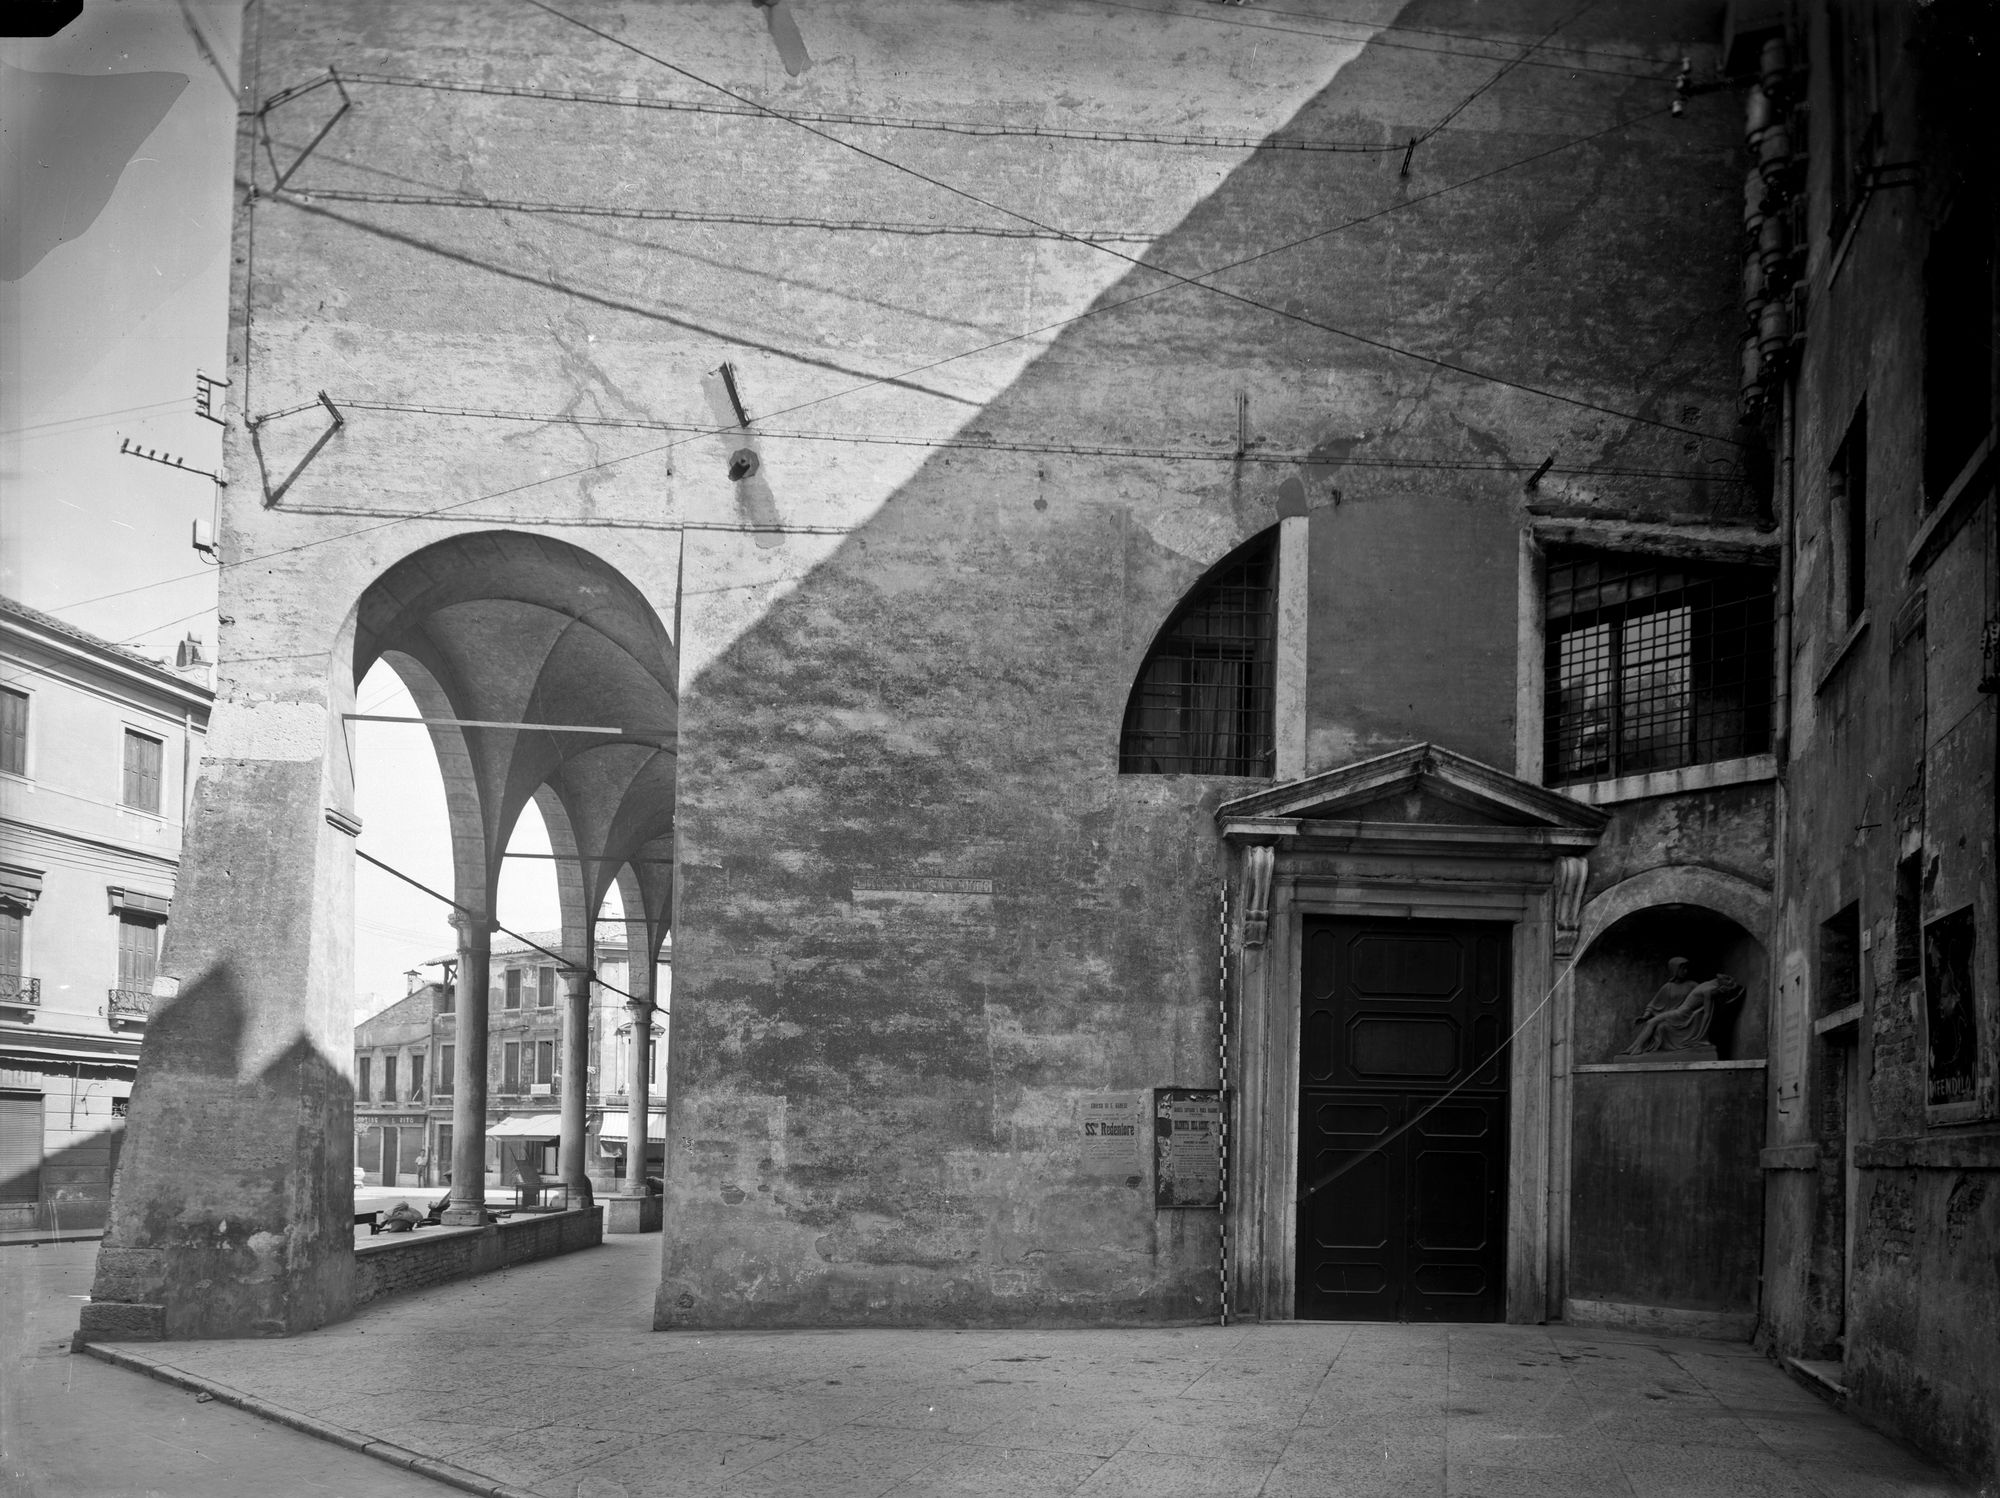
point(1258, 861)
point(1571, 876)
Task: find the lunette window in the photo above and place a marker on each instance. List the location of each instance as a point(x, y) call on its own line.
point(1653, 664)
point(1204, 702)
point(141, 789)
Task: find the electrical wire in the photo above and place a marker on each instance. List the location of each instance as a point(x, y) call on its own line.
point(42, 426)
point(1376, 40)
point(710, 216)
point(1093, 311)
point(994, 444)
point(1505, 68)
point(869, 121)
point(971, 197)
point(474, 915)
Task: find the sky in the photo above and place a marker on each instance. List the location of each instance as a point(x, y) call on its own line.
point(116, 144)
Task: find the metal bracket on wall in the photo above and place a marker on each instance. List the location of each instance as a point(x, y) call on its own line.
point(284, 174)
point(256, 424)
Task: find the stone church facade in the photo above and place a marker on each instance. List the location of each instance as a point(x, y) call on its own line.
point(1089, 568)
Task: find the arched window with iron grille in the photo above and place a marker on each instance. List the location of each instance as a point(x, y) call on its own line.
point(1204, 703)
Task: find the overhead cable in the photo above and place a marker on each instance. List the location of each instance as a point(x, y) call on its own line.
point(709, 216)
point(963, 442)
point(475, 915)
point(1377, 40)
point(1243, 142)
point(1378, 344)
point(1095, 310)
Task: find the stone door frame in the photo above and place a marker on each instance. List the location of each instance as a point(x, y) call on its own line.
point(1333, 844)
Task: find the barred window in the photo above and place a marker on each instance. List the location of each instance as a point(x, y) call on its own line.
point(1653, 664)
point(1203, 703)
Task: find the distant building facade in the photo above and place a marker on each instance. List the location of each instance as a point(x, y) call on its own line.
point(96, 745)
point(406, 1055)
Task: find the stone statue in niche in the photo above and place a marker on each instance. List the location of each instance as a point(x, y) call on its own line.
point(1674, 1026)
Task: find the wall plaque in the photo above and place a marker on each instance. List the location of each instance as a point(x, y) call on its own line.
point(1107, 1127)
point(1187, 1147)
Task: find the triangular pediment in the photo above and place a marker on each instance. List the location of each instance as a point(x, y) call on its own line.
point(1421, 785)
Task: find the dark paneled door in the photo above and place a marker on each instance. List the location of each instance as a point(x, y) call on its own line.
point(1402, 1121)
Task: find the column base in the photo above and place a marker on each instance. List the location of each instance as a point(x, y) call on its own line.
point(466, 1216)
point(633, 1214)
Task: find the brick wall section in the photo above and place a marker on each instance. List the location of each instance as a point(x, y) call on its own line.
point(391, 1266)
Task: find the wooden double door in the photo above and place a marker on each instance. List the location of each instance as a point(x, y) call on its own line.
point(1402, 1212)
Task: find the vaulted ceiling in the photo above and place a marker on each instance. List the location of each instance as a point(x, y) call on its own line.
point(503, 627)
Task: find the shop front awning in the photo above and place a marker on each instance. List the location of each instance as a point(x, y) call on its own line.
point(612, 1140)
point(527, 1126)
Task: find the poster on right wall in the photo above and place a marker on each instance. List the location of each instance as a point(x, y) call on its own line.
point(1951, 1020)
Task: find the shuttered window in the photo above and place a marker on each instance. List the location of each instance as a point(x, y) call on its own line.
point(545, 1061)
point(12, 927)
point(510, 1066)
point(447, 1064)
point(545, 988)
point(513, 988)
point(362, 1068)
point(20, 1147)
point(138, 954)
point(13, 732)
point(388, 1079)
point(142, 772)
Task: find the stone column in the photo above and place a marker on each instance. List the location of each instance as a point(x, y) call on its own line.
point(635, 1210)
point(575, 1083)
point(637, 1088)
point(468, 1104)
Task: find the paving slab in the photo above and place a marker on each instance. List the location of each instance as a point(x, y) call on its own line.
point(548, 1379)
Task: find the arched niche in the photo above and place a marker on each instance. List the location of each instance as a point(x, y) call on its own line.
point(1625, 966)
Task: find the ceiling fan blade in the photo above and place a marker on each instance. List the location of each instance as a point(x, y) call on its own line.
point(785, 32)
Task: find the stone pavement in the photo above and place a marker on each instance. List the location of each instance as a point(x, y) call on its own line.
point(72, 1428)
point(547, 1378)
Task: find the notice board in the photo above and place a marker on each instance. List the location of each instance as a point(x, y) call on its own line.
point(1187, 1147)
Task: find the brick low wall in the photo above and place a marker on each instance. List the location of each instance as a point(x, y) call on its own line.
point(391, 1265)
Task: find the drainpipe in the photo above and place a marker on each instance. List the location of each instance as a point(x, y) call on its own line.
point(1781, 705)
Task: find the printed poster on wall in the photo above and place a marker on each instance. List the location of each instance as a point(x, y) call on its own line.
point(1187, 1147)
point(1107, 1128)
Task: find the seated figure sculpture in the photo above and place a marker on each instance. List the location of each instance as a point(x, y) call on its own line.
point(1680, 1014)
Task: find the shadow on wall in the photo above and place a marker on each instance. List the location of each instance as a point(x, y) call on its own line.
point(1627, 964)
point(918, 902)
point(246, 1261)
point(71, 1190)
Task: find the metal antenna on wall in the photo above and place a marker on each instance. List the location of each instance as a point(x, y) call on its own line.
point(166, 460)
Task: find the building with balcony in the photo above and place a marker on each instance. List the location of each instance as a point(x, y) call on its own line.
point(97, 749)
point(405, 1059)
